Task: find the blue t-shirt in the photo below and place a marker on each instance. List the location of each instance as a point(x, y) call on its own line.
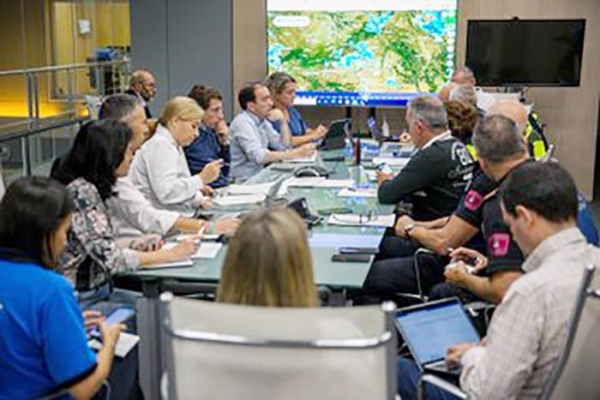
point(296, 124)
point(43, 345)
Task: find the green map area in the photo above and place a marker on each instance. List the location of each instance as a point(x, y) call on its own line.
point(408, 51)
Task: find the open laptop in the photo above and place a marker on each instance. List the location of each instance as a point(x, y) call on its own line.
point(373, 128)
point(336, 135)
point(431, 329)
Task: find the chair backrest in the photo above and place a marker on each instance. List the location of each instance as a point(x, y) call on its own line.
point(224, 351)
point(576, 373)
point(93, 104)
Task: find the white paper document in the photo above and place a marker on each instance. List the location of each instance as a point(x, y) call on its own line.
point(175, 264)
point(208, 250)
point(321, 182)
point(358, 192)
point(383, 221)
point(205, 249)
point(260, 188)
point(239, 199)
point(391, 161)
point(126, 342)
point(304, 160)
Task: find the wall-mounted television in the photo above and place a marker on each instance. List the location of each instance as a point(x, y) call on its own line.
point(362, 52)
point(525, 52)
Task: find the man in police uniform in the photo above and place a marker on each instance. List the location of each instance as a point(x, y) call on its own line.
point(436, 176)
point(501, 150)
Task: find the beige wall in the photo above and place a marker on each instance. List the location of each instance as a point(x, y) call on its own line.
point(570, 113)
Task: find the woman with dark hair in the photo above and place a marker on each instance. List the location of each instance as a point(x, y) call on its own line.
point(102, 152)
point(43, 345)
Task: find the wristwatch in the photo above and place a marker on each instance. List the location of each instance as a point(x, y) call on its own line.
point(408, 228)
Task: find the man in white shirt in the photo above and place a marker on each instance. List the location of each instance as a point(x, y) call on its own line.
point(131, 213)
point(254, 141)
point(528, 330)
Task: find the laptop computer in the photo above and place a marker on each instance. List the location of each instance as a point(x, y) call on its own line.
point(373, 128)
point(431, 329)
point(336, 135)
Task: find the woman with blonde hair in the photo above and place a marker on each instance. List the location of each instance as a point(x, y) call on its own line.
point(283, 92)
point(160, 169)
point(268, 263)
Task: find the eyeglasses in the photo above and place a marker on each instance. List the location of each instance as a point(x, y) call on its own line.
point(362, 218)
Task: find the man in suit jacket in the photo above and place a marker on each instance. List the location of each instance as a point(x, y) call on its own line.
point(142, 85)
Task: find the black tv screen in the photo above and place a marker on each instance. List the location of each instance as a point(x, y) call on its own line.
point(525, 52)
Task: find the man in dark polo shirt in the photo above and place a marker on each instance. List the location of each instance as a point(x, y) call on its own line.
point(501, 149)
point(436, 176)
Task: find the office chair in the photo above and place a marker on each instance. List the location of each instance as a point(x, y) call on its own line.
point(225, 351)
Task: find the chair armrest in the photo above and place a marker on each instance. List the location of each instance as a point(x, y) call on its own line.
point(440, 383)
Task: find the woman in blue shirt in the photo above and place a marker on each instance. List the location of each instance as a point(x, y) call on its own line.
point(43, 345)
point(283, 92)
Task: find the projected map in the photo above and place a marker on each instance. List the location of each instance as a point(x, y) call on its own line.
point(360, 57)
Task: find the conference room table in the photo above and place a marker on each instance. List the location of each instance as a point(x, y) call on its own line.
point(324, 240)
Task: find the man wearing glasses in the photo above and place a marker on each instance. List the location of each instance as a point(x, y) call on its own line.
point(143, 86)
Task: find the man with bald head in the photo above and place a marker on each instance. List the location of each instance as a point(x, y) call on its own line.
point(536, 145)
point(464, 76)
point(143, 86)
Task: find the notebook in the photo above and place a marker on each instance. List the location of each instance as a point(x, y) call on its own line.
point(431, 329)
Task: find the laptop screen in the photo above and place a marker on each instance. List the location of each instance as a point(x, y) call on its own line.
point(373, 128)
point(431, 329)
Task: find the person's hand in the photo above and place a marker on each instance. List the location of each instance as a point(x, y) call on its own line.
point(382, 177)
point(456, 273)
point(405, 138)
point(110, 334)
point(306, 150)
point(229, 225)
point(91, 319)
point(470, 257)
point(207, 191)
point(222, 131)
point(401, 225)
point(147, 243)
point(206, 203)
point(183, 250)
point(319, 132)
point(456, 352)
point(211, 171)
point(276, 115)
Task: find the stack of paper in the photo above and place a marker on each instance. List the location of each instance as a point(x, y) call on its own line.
point(391, 161)
point(319, 182)
point(383, 221)
point(260, 188)
point(239, 199)
point(205, 249)
point(305, 160)
point(175, 264)
point(208, 250)
point(358, 192)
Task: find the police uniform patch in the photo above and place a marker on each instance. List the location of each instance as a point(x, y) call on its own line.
point(473, 200)
point(498, 244)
